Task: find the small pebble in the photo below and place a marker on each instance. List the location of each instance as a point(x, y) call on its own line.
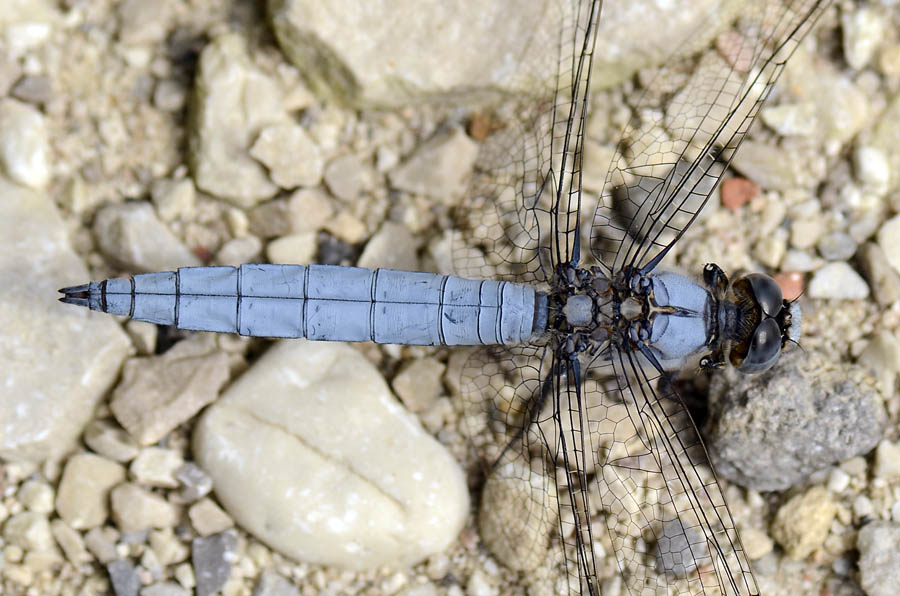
point(196, 483)
point(879, 558)
point(295, 249)
point(81, 499)
point(24, 144)
point(872, 167)
point(37, 496)
point(33, 89)
point(836, 246)
point(208, 518)
point(101, 542)
point(169, 95)
point(439, 167)
point(155, 466)
point(344, 177)
point(110, 440)
point(167, 548)
point(291, 156)
point(737, 192)
point(164, 589)
point(272, 583)
point(838, 281)
point(29, 531)
point(173, 198)
point(419, 383)
point(237, 251)
point(792, 119)
point(801, 525)
point(392, 247)
point(791, 284)
point(887, 461)
point(123, 577)
point(70, 541)
point(863, 30)
point(212, 559)
point(838, 480)
point(889, 241)
point(135, 509)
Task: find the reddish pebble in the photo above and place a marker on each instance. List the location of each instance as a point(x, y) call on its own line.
point(737, 191)
point(791, 283)
point(480, 126)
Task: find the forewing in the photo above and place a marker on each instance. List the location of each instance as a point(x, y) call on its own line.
point(685, 129)
point(520, 217)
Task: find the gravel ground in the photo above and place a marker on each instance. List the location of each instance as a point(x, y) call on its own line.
point(138, 136)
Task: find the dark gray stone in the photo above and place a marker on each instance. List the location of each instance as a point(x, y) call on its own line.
point(212, 557)
point(123, 577)
point(772, 430)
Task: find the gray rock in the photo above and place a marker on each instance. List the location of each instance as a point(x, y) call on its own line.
point(879, 558)
point(374, 57)
point(132, 236)
point(84, 489)
point(839, 281)
point(882, 277)
point(157, 393)
point(212, 558)
point(123, 577)
point(770, 431)
point(233, 101)
point(34, 89)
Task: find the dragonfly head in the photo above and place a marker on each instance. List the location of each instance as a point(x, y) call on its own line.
point(770, 323)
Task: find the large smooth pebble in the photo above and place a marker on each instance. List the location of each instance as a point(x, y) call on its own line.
point(311, 453)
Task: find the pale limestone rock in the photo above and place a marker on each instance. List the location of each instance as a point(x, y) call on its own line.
point(316, 422)
point(208, 518)
point(392, 247)
point(156, 466)
point(291, 157)
point(58, 360)
point(23, 144)
point(419, 383)
point(131, 236)
point(440, 167)
point(110, 441)
point(83, 490)
point(294, 249)
point(801, 525)
point(70, 541)
point(29, 531)
point(135, 509)
point(157, 393)
point(233, 101)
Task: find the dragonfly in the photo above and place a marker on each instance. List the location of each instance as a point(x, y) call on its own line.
point(574, 325)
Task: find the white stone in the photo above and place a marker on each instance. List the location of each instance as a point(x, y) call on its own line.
point(57, 360)
point(791, 119)
point(886, 137)
point(208, 518)
point(110, 441)
point(887, 460)
point(28, 530)
point(131, 236)
point(292, 158)
point(838, 280)
point(346, 177)
point(234, 100)
point(310, 453)
point(239, 250)
point(23, 144)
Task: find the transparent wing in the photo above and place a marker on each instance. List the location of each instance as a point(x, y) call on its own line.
point(522, 411)
point(670, 527)
point(521, 213)
point(685, 129)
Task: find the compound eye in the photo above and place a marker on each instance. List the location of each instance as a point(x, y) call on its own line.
point(765, 348)
point(767, 292)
